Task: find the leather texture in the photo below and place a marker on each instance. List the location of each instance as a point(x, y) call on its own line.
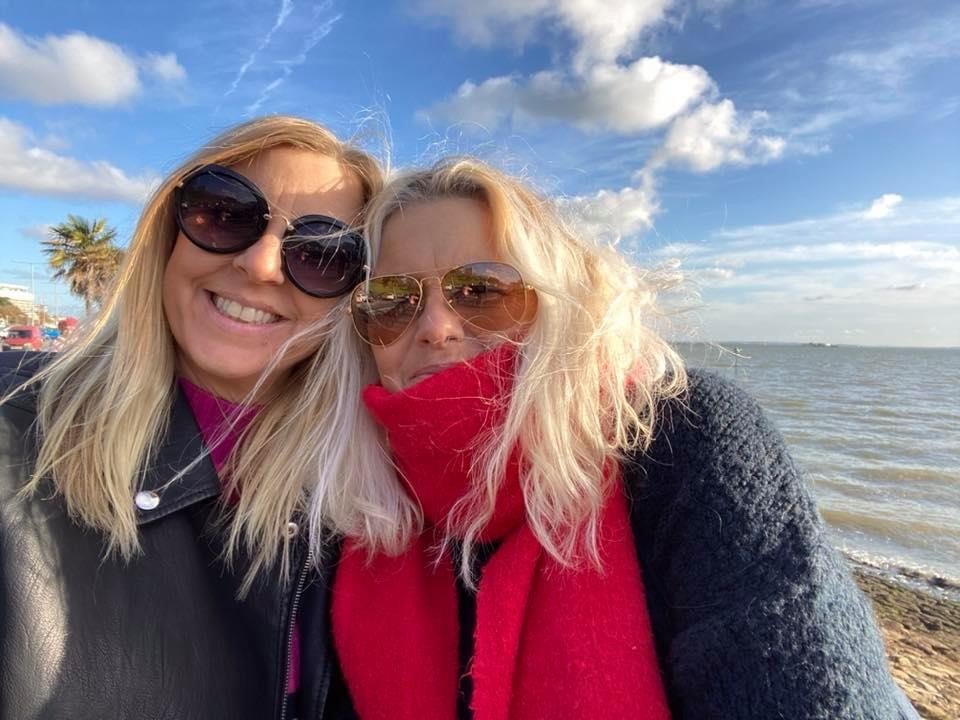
point(86, 636)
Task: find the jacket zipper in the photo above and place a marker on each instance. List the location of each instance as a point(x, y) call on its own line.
point(298, 592)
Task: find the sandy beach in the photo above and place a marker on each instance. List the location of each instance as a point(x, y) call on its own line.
point(922, 633)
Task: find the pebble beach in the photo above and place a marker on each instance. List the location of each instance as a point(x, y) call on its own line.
point(922, 635)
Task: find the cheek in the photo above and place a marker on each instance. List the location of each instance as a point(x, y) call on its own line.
point(188, 263)
point(308, 329)
point(388, 361)
point(175, 283)
point(310, 309)
point(183, 277)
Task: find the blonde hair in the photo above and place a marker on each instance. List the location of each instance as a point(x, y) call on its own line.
point(590, 378)
point(104, 402)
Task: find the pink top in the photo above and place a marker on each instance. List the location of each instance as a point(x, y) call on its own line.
point(213, 415)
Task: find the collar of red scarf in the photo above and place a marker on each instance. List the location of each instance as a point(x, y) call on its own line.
point(549, 641)
point(435, 428)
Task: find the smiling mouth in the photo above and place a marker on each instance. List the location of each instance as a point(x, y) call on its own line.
point(235, 311)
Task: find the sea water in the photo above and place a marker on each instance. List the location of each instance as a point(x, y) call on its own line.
point(877, 432)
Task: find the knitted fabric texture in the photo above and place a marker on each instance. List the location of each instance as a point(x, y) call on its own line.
point(755, 613)
point(550, 642)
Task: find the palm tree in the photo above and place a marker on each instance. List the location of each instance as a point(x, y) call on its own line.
point(83, 252)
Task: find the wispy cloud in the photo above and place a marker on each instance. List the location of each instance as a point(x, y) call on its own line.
point(29, 167)
point(288, 65)
point(862, 75)
point(895, 60)
point(904, 271)
point(286, 7)
point(296, 29)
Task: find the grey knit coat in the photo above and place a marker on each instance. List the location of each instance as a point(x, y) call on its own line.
point(755, 614)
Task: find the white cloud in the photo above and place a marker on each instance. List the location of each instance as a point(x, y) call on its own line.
point(707, 275)
point(613, 214)
point(76, 68)
point(714, 134)
point(165, 67)
point(891, 279)
point(601, 92)
point(71, 68)
point(935, 220)
point(643, 95)
point(921, 255)
point(883, 206)
point(28, 167)
point(603, 30)
point(710, 136)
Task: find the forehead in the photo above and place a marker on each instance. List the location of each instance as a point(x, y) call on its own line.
point(298, 182)
point(436, 234)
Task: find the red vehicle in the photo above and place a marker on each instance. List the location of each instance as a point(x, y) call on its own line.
point(23, 337)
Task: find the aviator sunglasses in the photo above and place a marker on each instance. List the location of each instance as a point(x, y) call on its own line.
point(221, 211)
point(490, 296)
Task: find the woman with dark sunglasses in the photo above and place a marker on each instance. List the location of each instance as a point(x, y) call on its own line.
point(153, 475)
point(566, 523)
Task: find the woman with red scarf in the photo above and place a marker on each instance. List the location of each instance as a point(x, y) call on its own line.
point(567, 524)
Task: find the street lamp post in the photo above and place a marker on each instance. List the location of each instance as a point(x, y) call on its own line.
point(33, 288)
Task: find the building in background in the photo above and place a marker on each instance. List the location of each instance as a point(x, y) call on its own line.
point(19, 295)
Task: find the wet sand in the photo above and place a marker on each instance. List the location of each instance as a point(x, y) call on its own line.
point(922, 634)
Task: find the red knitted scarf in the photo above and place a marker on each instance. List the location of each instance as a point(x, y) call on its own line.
point(550, 642)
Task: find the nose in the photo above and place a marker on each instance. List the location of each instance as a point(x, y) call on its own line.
point(261, 262)
point(437, 323)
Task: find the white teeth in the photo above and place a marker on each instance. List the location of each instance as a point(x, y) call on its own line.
point(235, 310)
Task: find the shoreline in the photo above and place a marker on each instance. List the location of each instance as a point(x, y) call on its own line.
point(921, 631)
point(926, 582)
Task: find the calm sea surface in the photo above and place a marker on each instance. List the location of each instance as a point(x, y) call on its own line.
point(877, 430)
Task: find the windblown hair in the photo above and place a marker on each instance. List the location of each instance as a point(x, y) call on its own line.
point(590, 378)
point(104, 402)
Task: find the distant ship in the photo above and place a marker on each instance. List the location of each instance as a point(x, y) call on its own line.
point(819, 344)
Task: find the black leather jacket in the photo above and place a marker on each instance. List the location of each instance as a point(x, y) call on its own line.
point(86, 636)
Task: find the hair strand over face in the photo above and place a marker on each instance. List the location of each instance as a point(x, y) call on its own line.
point(591, 376)
point(104, 402)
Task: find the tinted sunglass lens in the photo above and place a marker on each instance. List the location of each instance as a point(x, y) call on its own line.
point(384, 308)
point(323, 258)
point(489, 296)
point(219, 213)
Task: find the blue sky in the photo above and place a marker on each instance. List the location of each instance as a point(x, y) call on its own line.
point(800, 159)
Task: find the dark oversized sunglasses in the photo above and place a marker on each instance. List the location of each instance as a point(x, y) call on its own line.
point(221, 211)
point(490, 296)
